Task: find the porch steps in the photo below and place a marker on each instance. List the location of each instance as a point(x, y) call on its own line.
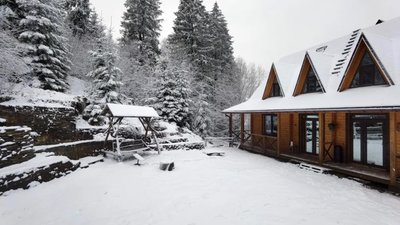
point(314, 168)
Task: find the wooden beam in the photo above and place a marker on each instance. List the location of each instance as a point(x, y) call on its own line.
point(392, 130)
point(321, 137)
point(230, 129)
point(278, 144)
point(242, 128)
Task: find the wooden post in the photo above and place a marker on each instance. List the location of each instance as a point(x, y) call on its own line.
point(230, 130)
point(392, 130)
point(278, 136)
point(241, 129)
point(321, 137)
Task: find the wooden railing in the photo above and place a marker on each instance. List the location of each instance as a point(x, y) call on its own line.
point(262, 142)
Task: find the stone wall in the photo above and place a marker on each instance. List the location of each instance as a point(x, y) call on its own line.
point(16, 145)
point(52, 125)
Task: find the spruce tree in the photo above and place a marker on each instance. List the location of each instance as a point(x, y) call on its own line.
point(222, 50)
point(192, 36)
point(40, 31)
point(106, 82)
point(141, 27)
point(78, 16)
point(173, 96)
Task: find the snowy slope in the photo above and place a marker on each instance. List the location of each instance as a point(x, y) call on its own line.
point(240, 188)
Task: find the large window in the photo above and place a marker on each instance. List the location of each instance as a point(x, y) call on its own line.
point(276, 89)
point(367, 73)
point(311, 84)
point(271, 124)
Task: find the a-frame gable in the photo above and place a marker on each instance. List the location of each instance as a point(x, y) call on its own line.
point(364, 62)
point(273, 87)
point(308, 80)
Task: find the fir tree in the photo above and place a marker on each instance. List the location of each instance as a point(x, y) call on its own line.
point(106, 82)
point(105, 74)
point(78, 16)
point(222, 50)
point(173, 96)
point(95, 28)
point(192, 35)
point(40, 31)
point(201, 123)
point(141, 27)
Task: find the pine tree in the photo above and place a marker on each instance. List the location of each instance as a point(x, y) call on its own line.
point(141, 27)
point(222, 51)
point(192, 36)
point(201, 123)
point(106, 82)
point(173, 96)
point(40, 31)
point(78, 16)
point(95, 27)
point(105, 73)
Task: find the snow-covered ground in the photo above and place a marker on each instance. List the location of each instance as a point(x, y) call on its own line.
point(239, 188)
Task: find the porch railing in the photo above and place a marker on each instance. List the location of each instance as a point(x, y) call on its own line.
point(261, 142)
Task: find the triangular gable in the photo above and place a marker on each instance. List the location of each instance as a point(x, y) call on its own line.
point(273, 87)
point(307, 71)
point(362, 54)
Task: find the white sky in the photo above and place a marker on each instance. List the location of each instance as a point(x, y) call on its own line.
point(265, 30)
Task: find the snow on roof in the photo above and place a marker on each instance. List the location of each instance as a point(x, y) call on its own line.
point(330, 61)
point(119, 110)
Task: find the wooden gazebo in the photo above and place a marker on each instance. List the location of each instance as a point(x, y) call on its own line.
point(116, 113)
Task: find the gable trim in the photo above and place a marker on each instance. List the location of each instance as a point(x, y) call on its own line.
point(268, 87)
point(363, 46)
point(305, 68)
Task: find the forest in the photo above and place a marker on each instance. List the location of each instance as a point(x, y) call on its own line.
point(189, 77)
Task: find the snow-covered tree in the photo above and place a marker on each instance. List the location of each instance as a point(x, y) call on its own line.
point(173, 96)
point(78, 16)
point(95, 28)
point(201, 123)
point(106, 80)
point(192, 36)
point(40, 32)
point(8, 14)
point(141, 27)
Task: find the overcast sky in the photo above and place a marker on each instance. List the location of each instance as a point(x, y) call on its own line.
point(265, 30)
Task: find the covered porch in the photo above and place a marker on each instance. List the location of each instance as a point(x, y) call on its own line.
point(328, 139)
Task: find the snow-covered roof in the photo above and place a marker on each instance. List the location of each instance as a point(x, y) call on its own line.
point(330, 61)
point(118, 110)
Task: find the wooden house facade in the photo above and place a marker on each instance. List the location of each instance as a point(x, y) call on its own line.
point(336, 105)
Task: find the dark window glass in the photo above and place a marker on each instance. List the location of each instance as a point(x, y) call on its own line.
point(271, 125)
point(367, 73)
point(311, 84)
point(276, 89)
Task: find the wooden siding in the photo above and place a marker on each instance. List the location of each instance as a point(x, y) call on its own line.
point(284, 136)
point(270, 81)
point(397, 144)
point(256, 123)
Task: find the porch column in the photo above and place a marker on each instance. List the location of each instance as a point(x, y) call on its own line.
point(392, 130)
point(321, 137)
point(230, 130)
point(241, 128)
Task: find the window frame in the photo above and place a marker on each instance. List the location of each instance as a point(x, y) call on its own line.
point(273, 118)
point(314, 84)
point(362, 79)
point(276, 89)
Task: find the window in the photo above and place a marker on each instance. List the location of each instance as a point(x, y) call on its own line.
point(276, 89)
point(311, 84)
point(367, 73)
point(271, 124)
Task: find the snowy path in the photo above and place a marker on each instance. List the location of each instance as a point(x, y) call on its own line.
point(240, 188)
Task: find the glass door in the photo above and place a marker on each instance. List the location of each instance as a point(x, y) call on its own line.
point(370, 139)
point(310, 133)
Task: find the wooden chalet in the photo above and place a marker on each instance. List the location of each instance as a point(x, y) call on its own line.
point(336, 105)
